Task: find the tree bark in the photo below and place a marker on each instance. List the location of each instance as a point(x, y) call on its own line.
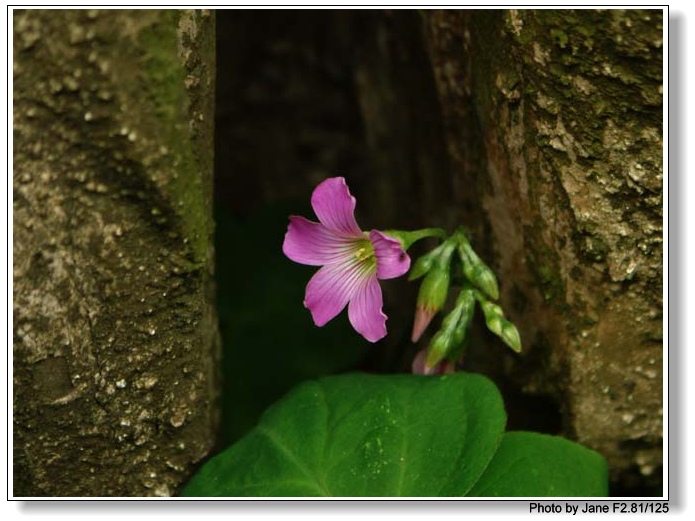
point(569, 105)
point(115, 337)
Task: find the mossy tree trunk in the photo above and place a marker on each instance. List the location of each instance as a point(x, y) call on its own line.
point(115, 337)
point(569, 108)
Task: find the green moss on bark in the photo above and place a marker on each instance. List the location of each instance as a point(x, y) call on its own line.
point(164, 75)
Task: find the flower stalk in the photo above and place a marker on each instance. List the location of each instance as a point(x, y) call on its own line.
point(408, 238)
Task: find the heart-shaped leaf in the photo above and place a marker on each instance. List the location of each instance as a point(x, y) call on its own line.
point(364, 435)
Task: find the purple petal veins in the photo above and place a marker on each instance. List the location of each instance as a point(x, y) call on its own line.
point(311, 243)
point(365, 312)
point(330, 289)
point(351, 261)
point(335, 207)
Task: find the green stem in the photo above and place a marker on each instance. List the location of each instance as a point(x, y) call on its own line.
point(408, 238)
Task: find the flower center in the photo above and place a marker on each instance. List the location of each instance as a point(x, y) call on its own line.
point(364, 253)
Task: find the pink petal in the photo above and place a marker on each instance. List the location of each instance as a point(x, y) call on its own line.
point(391, 260)
point(311, 243)
point(365, 311)
point(423, 317)
point(330, 289)
point(335, 207)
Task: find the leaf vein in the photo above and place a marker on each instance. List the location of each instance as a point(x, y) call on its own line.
point(280, 446)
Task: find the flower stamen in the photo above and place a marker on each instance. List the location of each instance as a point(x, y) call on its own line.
point(363, 254)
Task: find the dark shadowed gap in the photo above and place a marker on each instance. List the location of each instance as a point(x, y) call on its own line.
point(287, 113)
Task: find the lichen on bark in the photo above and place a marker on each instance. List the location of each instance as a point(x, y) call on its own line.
point(115, 336)
point(570, 110)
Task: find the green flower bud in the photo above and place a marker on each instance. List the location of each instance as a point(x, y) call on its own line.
point(510, 335)
point(439, 258)
point(430, 300)
point(439, 347)
point(492, 312)
point(503, 328)
point(465, 304)
point(453, 331)
point(476, 271)
point(433, 290)
point(422, 266)
point(434, 287)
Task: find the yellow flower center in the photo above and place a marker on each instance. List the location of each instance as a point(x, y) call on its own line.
point(364, 253)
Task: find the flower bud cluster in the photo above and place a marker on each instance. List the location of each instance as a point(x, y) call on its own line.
point(479, 285)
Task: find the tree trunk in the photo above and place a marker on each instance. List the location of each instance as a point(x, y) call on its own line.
point(115, 337)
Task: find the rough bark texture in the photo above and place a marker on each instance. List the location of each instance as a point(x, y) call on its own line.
point(115, 338)
point(570, 111)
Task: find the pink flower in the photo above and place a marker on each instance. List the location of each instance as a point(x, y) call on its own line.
point(351, 260)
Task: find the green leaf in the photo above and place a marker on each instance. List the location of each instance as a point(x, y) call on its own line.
point(528, 464)
point(365, 435)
